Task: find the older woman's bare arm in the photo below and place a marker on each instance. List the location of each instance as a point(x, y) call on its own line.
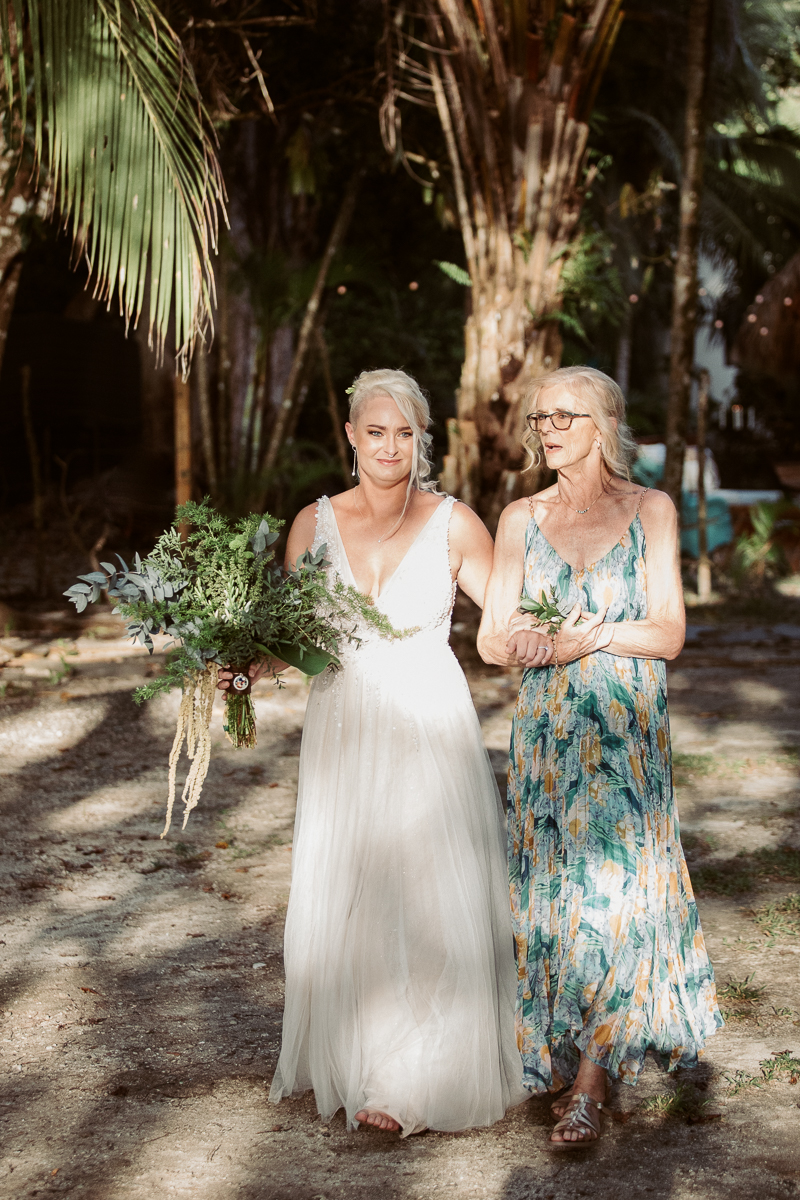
point(661, 633)
point(497, 642)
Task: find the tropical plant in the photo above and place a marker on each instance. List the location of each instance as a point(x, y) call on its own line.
point(118, 126)
point(747, 219)
point(512, 87)
point(759, 555)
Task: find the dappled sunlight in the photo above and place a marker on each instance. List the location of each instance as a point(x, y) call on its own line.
point(109, 807)
point(160, 961)
point(23, 740)
point(755, 691)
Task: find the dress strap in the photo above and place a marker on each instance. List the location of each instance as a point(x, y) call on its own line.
point(642, 495)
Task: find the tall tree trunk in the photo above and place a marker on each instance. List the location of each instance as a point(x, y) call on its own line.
point(333, 408)
point(206, 416)
point(305, 338)
point(183, 444)
point(684, 296)
point(513, 103)
point(14, 204)
point(703, 561)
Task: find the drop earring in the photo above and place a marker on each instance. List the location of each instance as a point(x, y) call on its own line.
point(354, 472)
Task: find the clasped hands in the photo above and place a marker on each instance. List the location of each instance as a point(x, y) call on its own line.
point(530, 646)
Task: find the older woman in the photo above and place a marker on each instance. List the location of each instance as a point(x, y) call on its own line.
point(610, 954)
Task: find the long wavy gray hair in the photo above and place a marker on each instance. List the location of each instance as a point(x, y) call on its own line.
point(602, 398)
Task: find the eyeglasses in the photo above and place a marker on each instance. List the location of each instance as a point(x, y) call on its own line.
point(559, 420)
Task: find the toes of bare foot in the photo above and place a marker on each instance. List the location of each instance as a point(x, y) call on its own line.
point(379, 1120)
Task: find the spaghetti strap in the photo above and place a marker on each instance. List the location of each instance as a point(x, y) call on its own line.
point(642, 495)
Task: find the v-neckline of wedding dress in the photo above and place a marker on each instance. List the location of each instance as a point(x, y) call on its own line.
point(346, 561)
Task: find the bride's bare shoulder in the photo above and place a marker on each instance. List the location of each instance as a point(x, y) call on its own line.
point(304, 526)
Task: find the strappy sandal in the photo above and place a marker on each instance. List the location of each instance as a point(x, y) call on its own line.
point(582, 1118)
point(561, 1103)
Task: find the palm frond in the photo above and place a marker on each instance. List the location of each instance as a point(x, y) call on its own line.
point(119, 125)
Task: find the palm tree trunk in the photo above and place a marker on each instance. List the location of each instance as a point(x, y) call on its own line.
point(513, 93)
point(684, 296)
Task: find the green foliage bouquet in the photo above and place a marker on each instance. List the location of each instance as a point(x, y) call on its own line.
point(225, 601)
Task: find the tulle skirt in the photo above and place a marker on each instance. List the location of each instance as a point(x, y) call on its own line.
point(400, 978)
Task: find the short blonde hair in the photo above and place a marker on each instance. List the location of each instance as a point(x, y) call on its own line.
point(413, 404)
point(602, 398)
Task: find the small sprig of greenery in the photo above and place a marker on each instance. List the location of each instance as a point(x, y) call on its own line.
point(759, 555)
point(545, 610)
point(222, 598)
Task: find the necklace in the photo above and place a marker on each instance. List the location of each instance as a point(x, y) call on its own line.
point(364, 516)
point(579, 511)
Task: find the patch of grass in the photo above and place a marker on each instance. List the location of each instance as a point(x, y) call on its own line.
point(688, 766)
point(740, 1081)
point(743, 994)
point(59, 674)
point(747, 871)
point(741, 991)
point(244, 852)
point(698, 843)
point(726, 878)
point(684, 1103)
point(782, 1065)
point(781, 919)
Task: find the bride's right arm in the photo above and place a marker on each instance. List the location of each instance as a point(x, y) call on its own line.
point(301, 535)
point(500, 639)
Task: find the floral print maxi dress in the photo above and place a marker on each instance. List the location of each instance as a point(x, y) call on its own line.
point(610, 955)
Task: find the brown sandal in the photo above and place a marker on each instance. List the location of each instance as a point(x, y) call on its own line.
point(581, 1117)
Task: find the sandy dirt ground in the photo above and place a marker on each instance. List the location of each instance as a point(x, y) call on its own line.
point(142, 979)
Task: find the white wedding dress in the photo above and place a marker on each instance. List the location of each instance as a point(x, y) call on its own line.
point(400, 976)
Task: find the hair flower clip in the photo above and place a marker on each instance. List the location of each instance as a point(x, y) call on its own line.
point(349, 391)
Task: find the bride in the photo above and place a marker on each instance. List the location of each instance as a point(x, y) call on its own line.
point(400, 978)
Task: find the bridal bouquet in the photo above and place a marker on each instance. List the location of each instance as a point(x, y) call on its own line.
point(225, 601)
